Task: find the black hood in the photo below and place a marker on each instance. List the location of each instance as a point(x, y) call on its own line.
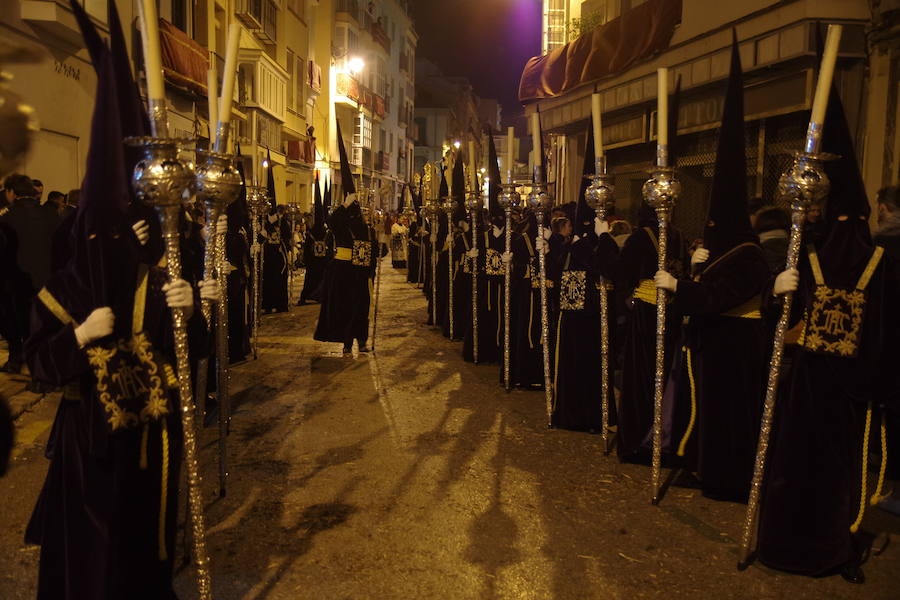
point(584, 214)
point(728, 221)
point(346, 174)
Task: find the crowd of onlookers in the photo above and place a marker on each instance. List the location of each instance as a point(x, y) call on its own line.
point(29, 222)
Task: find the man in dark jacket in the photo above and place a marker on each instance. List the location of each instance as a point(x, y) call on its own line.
point(28, 235)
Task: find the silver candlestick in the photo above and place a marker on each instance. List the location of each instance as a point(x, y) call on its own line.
point(600, 197)
point(539, 201)
point(474, 203)
point(661, 192)
point(218, 185)
point(160, 180)
point(449, 205)
point(508, 199)
point(258, 203)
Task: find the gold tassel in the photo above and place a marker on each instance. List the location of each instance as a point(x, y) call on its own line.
point(690, 427)
point(164, 492)
point(865, 467)
point(877, 496)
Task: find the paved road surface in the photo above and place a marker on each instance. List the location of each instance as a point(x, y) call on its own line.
point(410, 474)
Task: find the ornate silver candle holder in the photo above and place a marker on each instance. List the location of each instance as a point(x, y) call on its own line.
point(539, 201)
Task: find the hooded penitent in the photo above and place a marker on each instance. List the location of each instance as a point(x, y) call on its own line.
point(270, 182)
point(346, 174)
point(318, 209)
point(497, 214)
point(458, 177)
point(728, 223)
point(584, 214)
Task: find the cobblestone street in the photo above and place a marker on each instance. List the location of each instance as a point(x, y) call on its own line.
point(407, 473)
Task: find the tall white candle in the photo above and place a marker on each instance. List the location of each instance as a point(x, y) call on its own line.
point(212, 96)
point(510, 140)
point(662, 107)
point(474, 165)
point(536, 139)
point(228, 77)
point(598, 132)
point(826, 74)
point(156, 89)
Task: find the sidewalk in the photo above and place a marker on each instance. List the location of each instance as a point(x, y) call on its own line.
point(13, 388)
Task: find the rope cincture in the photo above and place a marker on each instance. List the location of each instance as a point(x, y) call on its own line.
point(164, 491)
point(693, 419)
point(854, 527)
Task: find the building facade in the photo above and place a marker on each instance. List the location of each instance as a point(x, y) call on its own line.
point(778, 53)
point(289, 94)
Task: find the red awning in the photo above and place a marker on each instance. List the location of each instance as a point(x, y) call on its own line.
point(609, 49)
point(185, 62)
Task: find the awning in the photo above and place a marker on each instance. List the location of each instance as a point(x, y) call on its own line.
point(609, 49)
point(185, 62)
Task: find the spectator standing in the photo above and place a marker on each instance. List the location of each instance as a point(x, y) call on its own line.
point(28, 231)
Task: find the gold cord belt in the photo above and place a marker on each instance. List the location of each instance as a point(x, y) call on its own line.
point(342, 253)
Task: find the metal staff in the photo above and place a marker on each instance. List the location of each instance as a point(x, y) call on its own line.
point(449, 206)
point(539, 201)
point(160, 179)
point(218, 185)
point(508, 199)
point(258, 202)
point(599, 196)
point(660, 192)
point(378, 219)
point(473, 204)
point(802, 185)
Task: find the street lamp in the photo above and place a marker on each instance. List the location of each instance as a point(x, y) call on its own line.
point(356, 64)
point(457, 144)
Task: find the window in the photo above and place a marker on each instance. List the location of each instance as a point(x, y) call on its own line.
point(362, 131)
point(268, 131)
point(291, 75)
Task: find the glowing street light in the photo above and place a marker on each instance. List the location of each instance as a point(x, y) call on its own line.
point(356, 64)
point(457, 144)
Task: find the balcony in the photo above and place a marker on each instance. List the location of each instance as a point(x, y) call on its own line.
point(380, 35)
point(383, 161)
point(259, 16)
point(348, 8)
point(303, 151)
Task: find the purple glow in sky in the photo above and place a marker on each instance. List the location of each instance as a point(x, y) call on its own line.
point(487, 41)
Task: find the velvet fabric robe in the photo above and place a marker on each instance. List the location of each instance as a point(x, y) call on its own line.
point(577, 356)
point(730, 359)
point(490, 306)
point(812, 486)
point(413, 254)
point(462, 287)
point(98, 514)
point(275, 268)
point(315, 265)
point(344, 313)
point(638, 261)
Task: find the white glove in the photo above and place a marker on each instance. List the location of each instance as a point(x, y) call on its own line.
point(787, 281)
point(600, 226)
point(273, 218)
point(209, 290)
point(473, 253)
point(497, 231)
point(541, 244)
point(222, 225)
point(142, 231)
point(575, 238)
point(546, 233)
point(700, 255)
point(180, 295)
point(506, 257)
point(665, 281)
point(99, 324)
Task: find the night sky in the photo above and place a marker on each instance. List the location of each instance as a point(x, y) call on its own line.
point(487, 41)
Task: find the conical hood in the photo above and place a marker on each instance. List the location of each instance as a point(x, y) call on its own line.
point(584, 214)
point(318, 208)
point(496, 212)
point(346, 174)
point(443, 190)
point(99, 254)
point(237, 211)
point(848, 240)
point(326, 198)
point(270, 182)
point(459, 190)
point(728, 223)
